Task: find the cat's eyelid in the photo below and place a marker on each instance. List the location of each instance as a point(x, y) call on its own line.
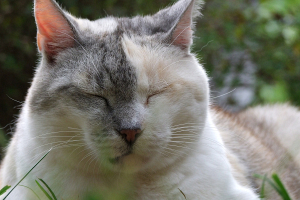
point(156, 92)
point(96, 95)
point(99, 96)
point(90, 93)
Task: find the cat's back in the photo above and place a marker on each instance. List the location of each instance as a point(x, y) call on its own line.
point(263, 140)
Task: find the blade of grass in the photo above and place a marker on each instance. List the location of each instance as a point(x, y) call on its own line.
point(52, 193)
point(4, 189)
point(31, 191)
point(182, 193)
point(270, 182)
point(26, 174)
point(284, 193)
point(44, 191)
point(262, 190)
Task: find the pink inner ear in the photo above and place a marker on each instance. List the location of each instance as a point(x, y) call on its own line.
point(40, 40)
point(182, 34)
point(54, 31)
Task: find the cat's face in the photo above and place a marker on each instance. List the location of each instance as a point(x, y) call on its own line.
point(115, 78)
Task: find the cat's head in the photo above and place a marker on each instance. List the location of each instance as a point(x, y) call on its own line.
point(130, 84)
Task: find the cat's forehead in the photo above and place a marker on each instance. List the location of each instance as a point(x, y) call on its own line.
point(104, 25)
point(103, 60)
point(117, 45)
point(138, 25)
point(107, 64)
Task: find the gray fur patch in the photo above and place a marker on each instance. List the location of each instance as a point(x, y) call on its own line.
point(103, 70)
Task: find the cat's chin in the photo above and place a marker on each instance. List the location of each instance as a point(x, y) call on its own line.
point(129, 163)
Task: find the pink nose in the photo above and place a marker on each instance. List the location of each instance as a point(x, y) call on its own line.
point(130, 134)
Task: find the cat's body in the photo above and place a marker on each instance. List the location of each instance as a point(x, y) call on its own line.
point(263, 140)
point(125, 108)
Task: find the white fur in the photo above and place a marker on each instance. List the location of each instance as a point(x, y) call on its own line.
point(108, 25)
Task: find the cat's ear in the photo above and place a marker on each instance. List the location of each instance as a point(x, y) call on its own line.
point(55, 32)
point(179, 19)
point(181, 34)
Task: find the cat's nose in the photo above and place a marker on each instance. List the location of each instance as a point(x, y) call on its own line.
point(130, 134)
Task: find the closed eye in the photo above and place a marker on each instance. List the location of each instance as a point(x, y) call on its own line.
point(153, 94)
point(101, 97)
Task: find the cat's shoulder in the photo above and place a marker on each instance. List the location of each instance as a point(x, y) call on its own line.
point(270, 124)
point(264, 139)
point(276, 118)
point(277, 123)
point(271, 115)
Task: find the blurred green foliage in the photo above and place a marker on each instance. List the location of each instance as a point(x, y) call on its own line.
point(267, 30)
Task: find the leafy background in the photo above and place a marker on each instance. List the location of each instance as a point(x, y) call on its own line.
point(250, 48)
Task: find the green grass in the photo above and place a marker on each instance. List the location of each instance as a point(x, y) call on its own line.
point(31, 191)
point(182, 193)
point(5, 188)
point(50, 196)
point(275, 183)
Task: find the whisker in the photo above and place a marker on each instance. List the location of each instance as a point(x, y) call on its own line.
point(225, 93)
point(55, 132)
point(57, 142)
point(204, 46)
point(182, 142)
point(179, 35)
point(86, 156)
point(184, 124)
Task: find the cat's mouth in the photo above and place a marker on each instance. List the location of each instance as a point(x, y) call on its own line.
point(118, 158)
point(129, 162)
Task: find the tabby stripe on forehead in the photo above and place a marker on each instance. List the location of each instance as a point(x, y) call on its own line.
point(118, 69)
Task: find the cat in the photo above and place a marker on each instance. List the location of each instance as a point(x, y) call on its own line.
point(125, 108)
